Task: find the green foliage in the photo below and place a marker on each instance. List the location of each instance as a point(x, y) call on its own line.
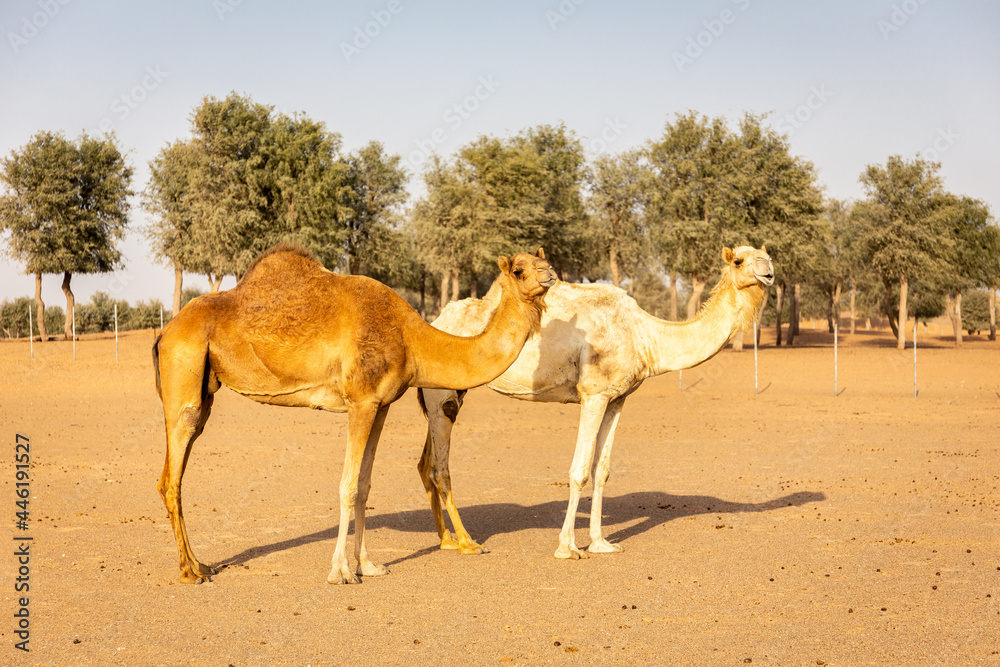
point(500, 196)
point(66, 206)
point(99, 314)
point(976, 311)
point(55, 318)
point(14, 316)
point(187, 294)
point(619, 191)
point(143, 315)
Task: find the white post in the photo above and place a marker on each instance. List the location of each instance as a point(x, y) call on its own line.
point(31, 334)
point(73, 315)
point(116, 333)
point(834, 358)
point(914, 357)
point(755, 358)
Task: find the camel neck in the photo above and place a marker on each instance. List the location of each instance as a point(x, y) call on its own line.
point(673, 346)
point(444, 361)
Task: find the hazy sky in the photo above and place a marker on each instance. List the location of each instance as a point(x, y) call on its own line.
point(850, 81)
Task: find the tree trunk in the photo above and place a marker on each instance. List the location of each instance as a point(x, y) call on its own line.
point(40, 307)
point(694, 303)
point(70, 302)
point(903, 289)
point(178, 289)
point(445, 279)
point(779, 294)
point(613, 261)
point(993, 313)
point(473, 286)
point(795, 312)
point(673, 296)
point(760, 312)
point(958, 318)
point(454, 285)
point(423, 295)
point(889, 314)
point(854, 291)
point(793, 317)
point(835, 308)
point(631, 285)
point(214, 283)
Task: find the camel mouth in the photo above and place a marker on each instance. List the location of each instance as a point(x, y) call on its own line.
point(767, 279)
point(549, 282)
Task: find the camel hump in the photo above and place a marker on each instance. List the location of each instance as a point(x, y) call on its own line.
point(281, 254)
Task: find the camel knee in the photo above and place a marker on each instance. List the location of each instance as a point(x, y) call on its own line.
point(578, 479)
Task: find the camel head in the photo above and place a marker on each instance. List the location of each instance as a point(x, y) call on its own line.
point(529, 275)
point(749, 267)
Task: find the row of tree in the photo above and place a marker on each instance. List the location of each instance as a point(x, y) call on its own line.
point(651, 219)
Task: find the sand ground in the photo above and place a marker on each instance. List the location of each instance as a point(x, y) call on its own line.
point(791, 527)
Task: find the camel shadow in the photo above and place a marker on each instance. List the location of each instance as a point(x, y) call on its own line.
point(648, 508)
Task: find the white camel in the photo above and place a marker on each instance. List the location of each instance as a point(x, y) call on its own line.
point(596, 347)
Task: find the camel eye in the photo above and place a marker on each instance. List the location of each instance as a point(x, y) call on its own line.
point(738, 261)
point(518, 273)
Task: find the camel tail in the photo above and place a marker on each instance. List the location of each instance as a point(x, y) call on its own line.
point(156, 366)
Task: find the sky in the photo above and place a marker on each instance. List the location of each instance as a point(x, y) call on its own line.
point(850, 82)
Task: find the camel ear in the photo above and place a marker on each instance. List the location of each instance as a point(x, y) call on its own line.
point(763, 249)
point(540, 254)
point(504, 264)
point(727, 255)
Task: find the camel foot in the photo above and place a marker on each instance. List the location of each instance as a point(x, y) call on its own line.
point(571, 554)
point(342, 575)
point(602, 546)
point(372, 570)
point(449, 542)
point(196, 573)
point(472, 549)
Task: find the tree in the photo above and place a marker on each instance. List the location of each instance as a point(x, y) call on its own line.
point(698, 208)
point(619, 185)
point(904, 233)
point(66, 209)
point(974, 258)
point(372, 200)
point(170, 198)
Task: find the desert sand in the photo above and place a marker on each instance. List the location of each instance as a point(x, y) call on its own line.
point(806, 524)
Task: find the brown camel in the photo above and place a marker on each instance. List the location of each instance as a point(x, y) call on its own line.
point(596, 347)
point(292, 333)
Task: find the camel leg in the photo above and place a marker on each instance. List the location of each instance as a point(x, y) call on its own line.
point(365, 565)
point(591, 415)
point(434, 473)
point(600, 473)
point(185, 414)
point(360, 419)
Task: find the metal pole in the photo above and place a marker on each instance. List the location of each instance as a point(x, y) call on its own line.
point(31, 334)
point(914, 357)
point(73, 315)
point(755, 358)
point(834, 358)
point(116, 333)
